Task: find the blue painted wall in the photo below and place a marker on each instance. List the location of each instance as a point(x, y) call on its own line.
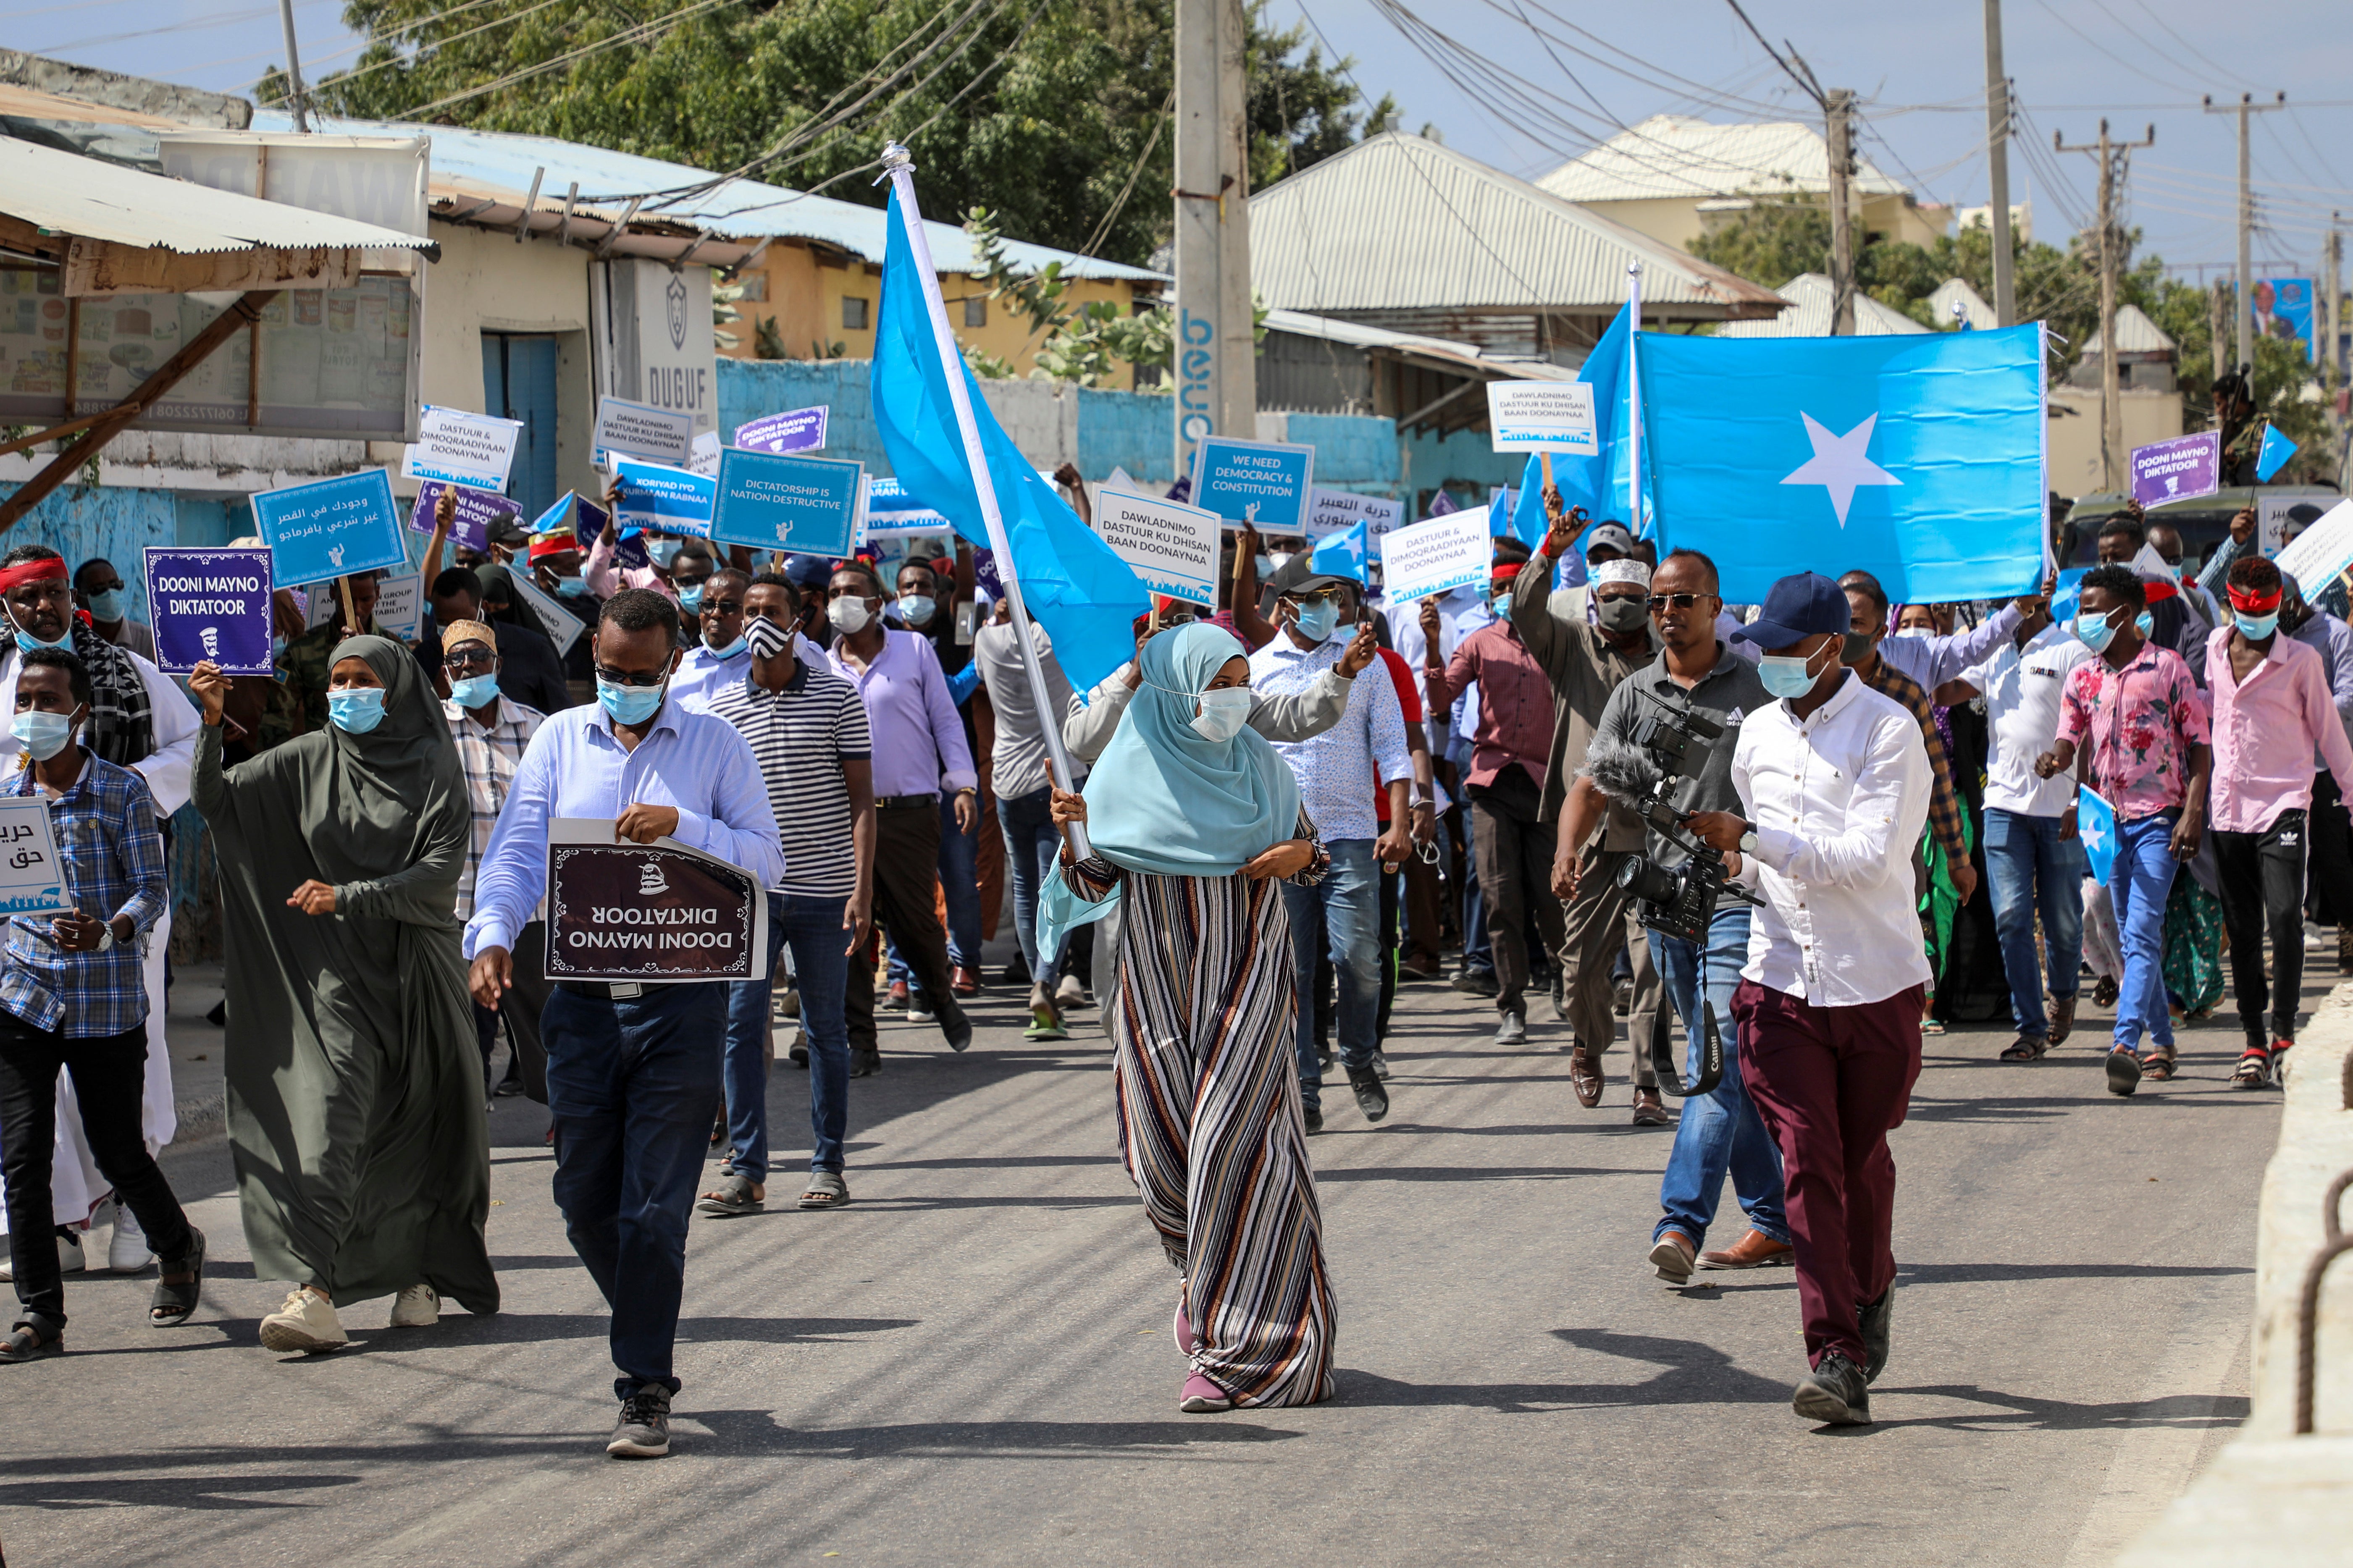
point(80, 522)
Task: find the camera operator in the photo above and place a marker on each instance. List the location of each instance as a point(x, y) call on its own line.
point(1720, 1129)
point(1835, 780)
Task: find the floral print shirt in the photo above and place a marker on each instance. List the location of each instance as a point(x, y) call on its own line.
point(2137, 724)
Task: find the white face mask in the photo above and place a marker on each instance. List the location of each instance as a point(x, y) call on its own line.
point(849, 616)
point(1223, 712)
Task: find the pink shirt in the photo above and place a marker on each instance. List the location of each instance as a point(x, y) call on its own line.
point(2140, 723)
point(2267, 731)
point(606, 579)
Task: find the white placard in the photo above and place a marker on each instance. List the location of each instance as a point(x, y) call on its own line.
point(1541, 417)
point(400, 604)
point(627, 430)
point(2318, 555)
point(2271, 521)
point(702, 457)
point(1172, 548)
point(1331, 511)
point(1436, 557)
point(463, 449)
point(562, 626)
point(32, 882)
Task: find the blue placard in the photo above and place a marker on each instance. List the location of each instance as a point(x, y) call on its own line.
point(666, 499)
point(809, 505)
point(1263, 483)
point(330, 528)
point(209, 605)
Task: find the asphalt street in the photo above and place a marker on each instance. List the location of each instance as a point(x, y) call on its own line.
point(972, 1364)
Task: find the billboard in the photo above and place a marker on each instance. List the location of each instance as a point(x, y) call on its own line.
point(2283, 309)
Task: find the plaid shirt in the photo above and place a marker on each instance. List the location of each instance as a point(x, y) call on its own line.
point(490, 758)
point(1943, 806)
point(113, 855)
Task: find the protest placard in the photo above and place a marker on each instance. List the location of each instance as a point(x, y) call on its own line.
point(1541, 417)
point(2179, 469)
point(1333, 511)
point(625, 429)
point(794, 430)
point(562, 626)
point(667, 499)
point(400, 604)
point(2271, 521)
point(463, 449)
point(1435, 557)
point(892, 514)
point(31, 880)
point(470, 521)
point(209, 605)
point(1263, 483)
point(702, 457)
point(657, 911)
point(330, 528)
point(2317, 556)
point(805, 505)
point(588, 521)
point(1172, 548)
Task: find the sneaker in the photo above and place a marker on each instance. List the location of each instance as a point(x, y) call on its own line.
point(1371, 1098)
point(643, 1430)
point(127, 1251)
point(2124, 1071)
point(1874, 1318)
point(1202, 1397)
point(1015, 972)
point(70, 1256)
point(507, 1088)
point(1476, 983)
point(1834, 1394)
point(1072, 992)
point(307, 1322)
point(418, 1306)
point(1313, 1116)
point(919, 1011)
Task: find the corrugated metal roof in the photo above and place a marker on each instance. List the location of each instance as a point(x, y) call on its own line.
point(499, 165)
point(1973, 310)
point(2135, 334)
point(86, 196)
point(1677, 156)
point(1808, 294)
point(1399, 223)
point(1364, 335)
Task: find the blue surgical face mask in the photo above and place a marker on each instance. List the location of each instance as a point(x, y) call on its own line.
point(1316, 620)
point(2255, 628)
point(2095, 632)
point(732, 649)
point(1502, 604)
point(1787, 676)
point(106, 605)
point(662, 552)
point(690, 599)
point(26, 642)
point(2144, 623)
point(357, 711)
point(475, 690)
point(1223, 712)
point(630, 704)
point(43, 735)
point(917, 609)
point(571, 587)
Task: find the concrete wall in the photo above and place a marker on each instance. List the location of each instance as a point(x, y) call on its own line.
point(1678, 221)
point(80, 522)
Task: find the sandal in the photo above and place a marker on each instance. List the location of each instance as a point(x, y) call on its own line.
point(178, 1283)
point(25, 1344)
point(2026, 1048)
point(2254, 1068)
point(736, 1194)
point(2157, 1064)
point(827, 1190)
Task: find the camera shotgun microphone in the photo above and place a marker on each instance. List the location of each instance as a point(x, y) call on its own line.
point(1623, 773)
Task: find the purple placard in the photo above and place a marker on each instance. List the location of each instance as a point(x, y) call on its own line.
point(471, 524)
point(588, 521)
point(209, 605)
point(796, 430)
point(2178, 469)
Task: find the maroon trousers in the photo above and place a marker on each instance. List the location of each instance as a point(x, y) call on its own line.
point(1831, 1083)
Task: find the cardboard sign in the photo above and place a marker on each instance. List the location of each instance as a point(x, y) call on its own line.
point(805, 505)
point(2179, 470)
point(209, 605)
point(1172, 548)
point(1263, 483)
point(625, 429)
point(32, 882)
point(1541, 417)
point(400, 604)
point(794, 430)
point(330, 528)
point(702, 457)
point(463, 449)
point(666, 499)
point(892, 512)
point(469, 522)
point(1436, 557)
point(657, 911)
point(2271, 521)
point(1334, 511)
point(2321, 553)
point(562, 626)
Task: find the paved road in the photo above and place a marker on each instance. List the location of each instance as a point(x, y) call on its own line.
point(972, 1365)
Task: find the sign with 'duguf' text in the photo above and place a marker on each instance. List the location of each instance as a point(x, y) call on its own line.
point(655, 912)
point(330, 528)
point(806, 505)
point(32, 882)
point(209, 605)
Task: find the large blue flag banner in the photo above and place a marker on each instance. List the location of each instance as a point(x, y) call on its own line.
point(1083, 594)
point(1918, 459)
point(1597, 483)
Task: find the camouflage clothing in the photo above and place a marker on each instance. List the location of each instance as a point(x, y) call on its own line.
point(2239, 452)
point(300, 703)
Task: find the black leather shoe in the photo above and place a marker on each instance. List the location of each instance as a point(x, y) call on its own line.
point(864, 1063)
point(1315, 1119)
point(1875, 1318)
point(1834, 1394)
point(1371, 1098)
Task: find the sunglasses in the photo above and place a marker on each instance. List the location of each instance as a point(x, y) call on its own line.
point(625, 677)
point(474, 657)
point(723, 606)
point(1676, 601)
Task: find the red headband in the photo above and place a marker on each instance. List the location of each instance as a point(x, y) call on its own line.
point(1506, 571)
point(554, 544)
point(50, 570)
point(2252, 603)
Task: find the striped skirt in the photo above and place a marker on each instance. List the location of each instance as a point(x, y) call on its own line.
point(1211, 1133)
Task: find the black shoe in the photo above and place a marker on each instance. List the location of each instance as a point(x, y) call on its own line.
point(1874, 1318)
point(1324, 1054)
point(1314, 1117)
point(798, 1054)
point(954, 1027)
point(1835, 1394)
point(864, 1063)
point(25, 1344)
point(1560, 995)
point(1477, 983)
point(1380, 1065)
point(507, 1088)
point(1016, 972)
point(219, 1016)
point(1371, 1098)
point(643, 1431)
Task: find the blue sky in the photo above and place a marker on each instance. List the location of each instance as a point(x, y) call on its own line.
point(1919, 67)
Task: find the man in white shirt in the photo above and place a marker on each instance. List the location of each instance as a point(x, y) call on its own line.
point(1835, 778)
point(2032, 856)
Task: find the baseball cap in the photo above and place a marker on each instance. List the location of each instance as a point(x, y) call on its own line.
point(1612, 535)
point(1298, 575)
point(1799, 606)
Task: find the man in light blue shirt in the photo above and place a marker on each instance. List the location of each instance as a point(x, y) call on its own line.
point(633, 1071)
point(717, 654)
point(1338, 771)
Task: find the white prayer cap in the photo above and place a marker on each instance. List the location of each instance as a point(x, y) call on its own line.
point(1625, 569)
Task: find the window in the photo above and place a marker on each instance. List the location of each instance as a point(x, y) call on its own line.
point(976, 311)
point(755, 287)
point(854, 312)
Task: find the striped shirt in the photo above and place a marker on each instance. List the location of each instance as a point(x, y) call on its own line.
point(802, 736)
point(488, 758)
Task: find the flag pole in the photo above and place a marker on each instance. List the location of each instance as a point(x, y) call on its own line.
point(899, 165)
point(1634, 397)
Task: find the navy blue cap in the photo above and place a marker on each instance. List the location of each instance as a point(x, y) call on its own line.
point(1799, 607)
point(808, 570)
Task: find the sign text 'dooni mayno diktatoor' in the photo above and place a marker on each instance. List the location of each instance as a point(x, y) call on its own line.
point(655, 912)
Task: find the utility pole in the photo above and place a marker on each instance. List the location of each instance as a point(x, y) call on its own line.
point(1838, 117)
point(2004, 297)
point(2333, 379)
point(1216, 368)
point(296, 98)
point(2245, 107)
point(2112, 156)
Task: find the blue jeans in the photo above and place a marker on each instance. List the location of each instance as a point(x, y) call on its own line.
point(2030, 868)
point(1031, 844)
point(2139, 885)
point(1345, 907)
point(630, 1084)
point(960, 881)
point(1720, 1129)
point(821, 972)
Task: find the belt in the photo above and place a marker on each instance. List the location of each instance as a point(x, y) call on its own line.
point(603, 991)
point(906, 802)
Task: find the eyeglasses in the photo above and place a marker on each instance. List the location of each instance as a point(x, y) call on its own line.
point(1676, 601)
point(625, 677)
point(473, 655)
point(723, 606)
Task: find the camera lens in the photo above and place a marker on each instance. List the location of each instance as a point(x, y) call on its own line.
point(1645, 879)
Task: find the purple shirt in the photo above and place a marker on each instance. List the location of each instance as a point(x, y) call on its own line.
point(918, 736)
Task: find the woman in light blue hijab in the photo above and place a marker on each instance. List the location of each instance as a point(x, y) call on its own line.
point(1194, 818)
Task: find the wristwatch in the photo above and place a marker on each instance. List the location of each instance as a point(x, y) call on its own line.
point(105, 936)
point(1748, 841)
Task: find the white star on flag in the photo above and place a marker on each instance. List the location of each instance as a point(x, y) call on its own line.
point(1840, 464)
point(2095, 832)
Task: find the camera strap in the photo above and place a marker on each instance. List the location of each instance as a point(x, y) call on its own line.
point(1711, 1058)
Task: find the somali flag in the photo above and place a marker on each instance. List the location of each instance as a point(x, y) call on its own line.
point(2096, 824)
point(2278, 450)
point(1084, 595)
point(1343, 554)
point(1598, 483)
point(1917, 458)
